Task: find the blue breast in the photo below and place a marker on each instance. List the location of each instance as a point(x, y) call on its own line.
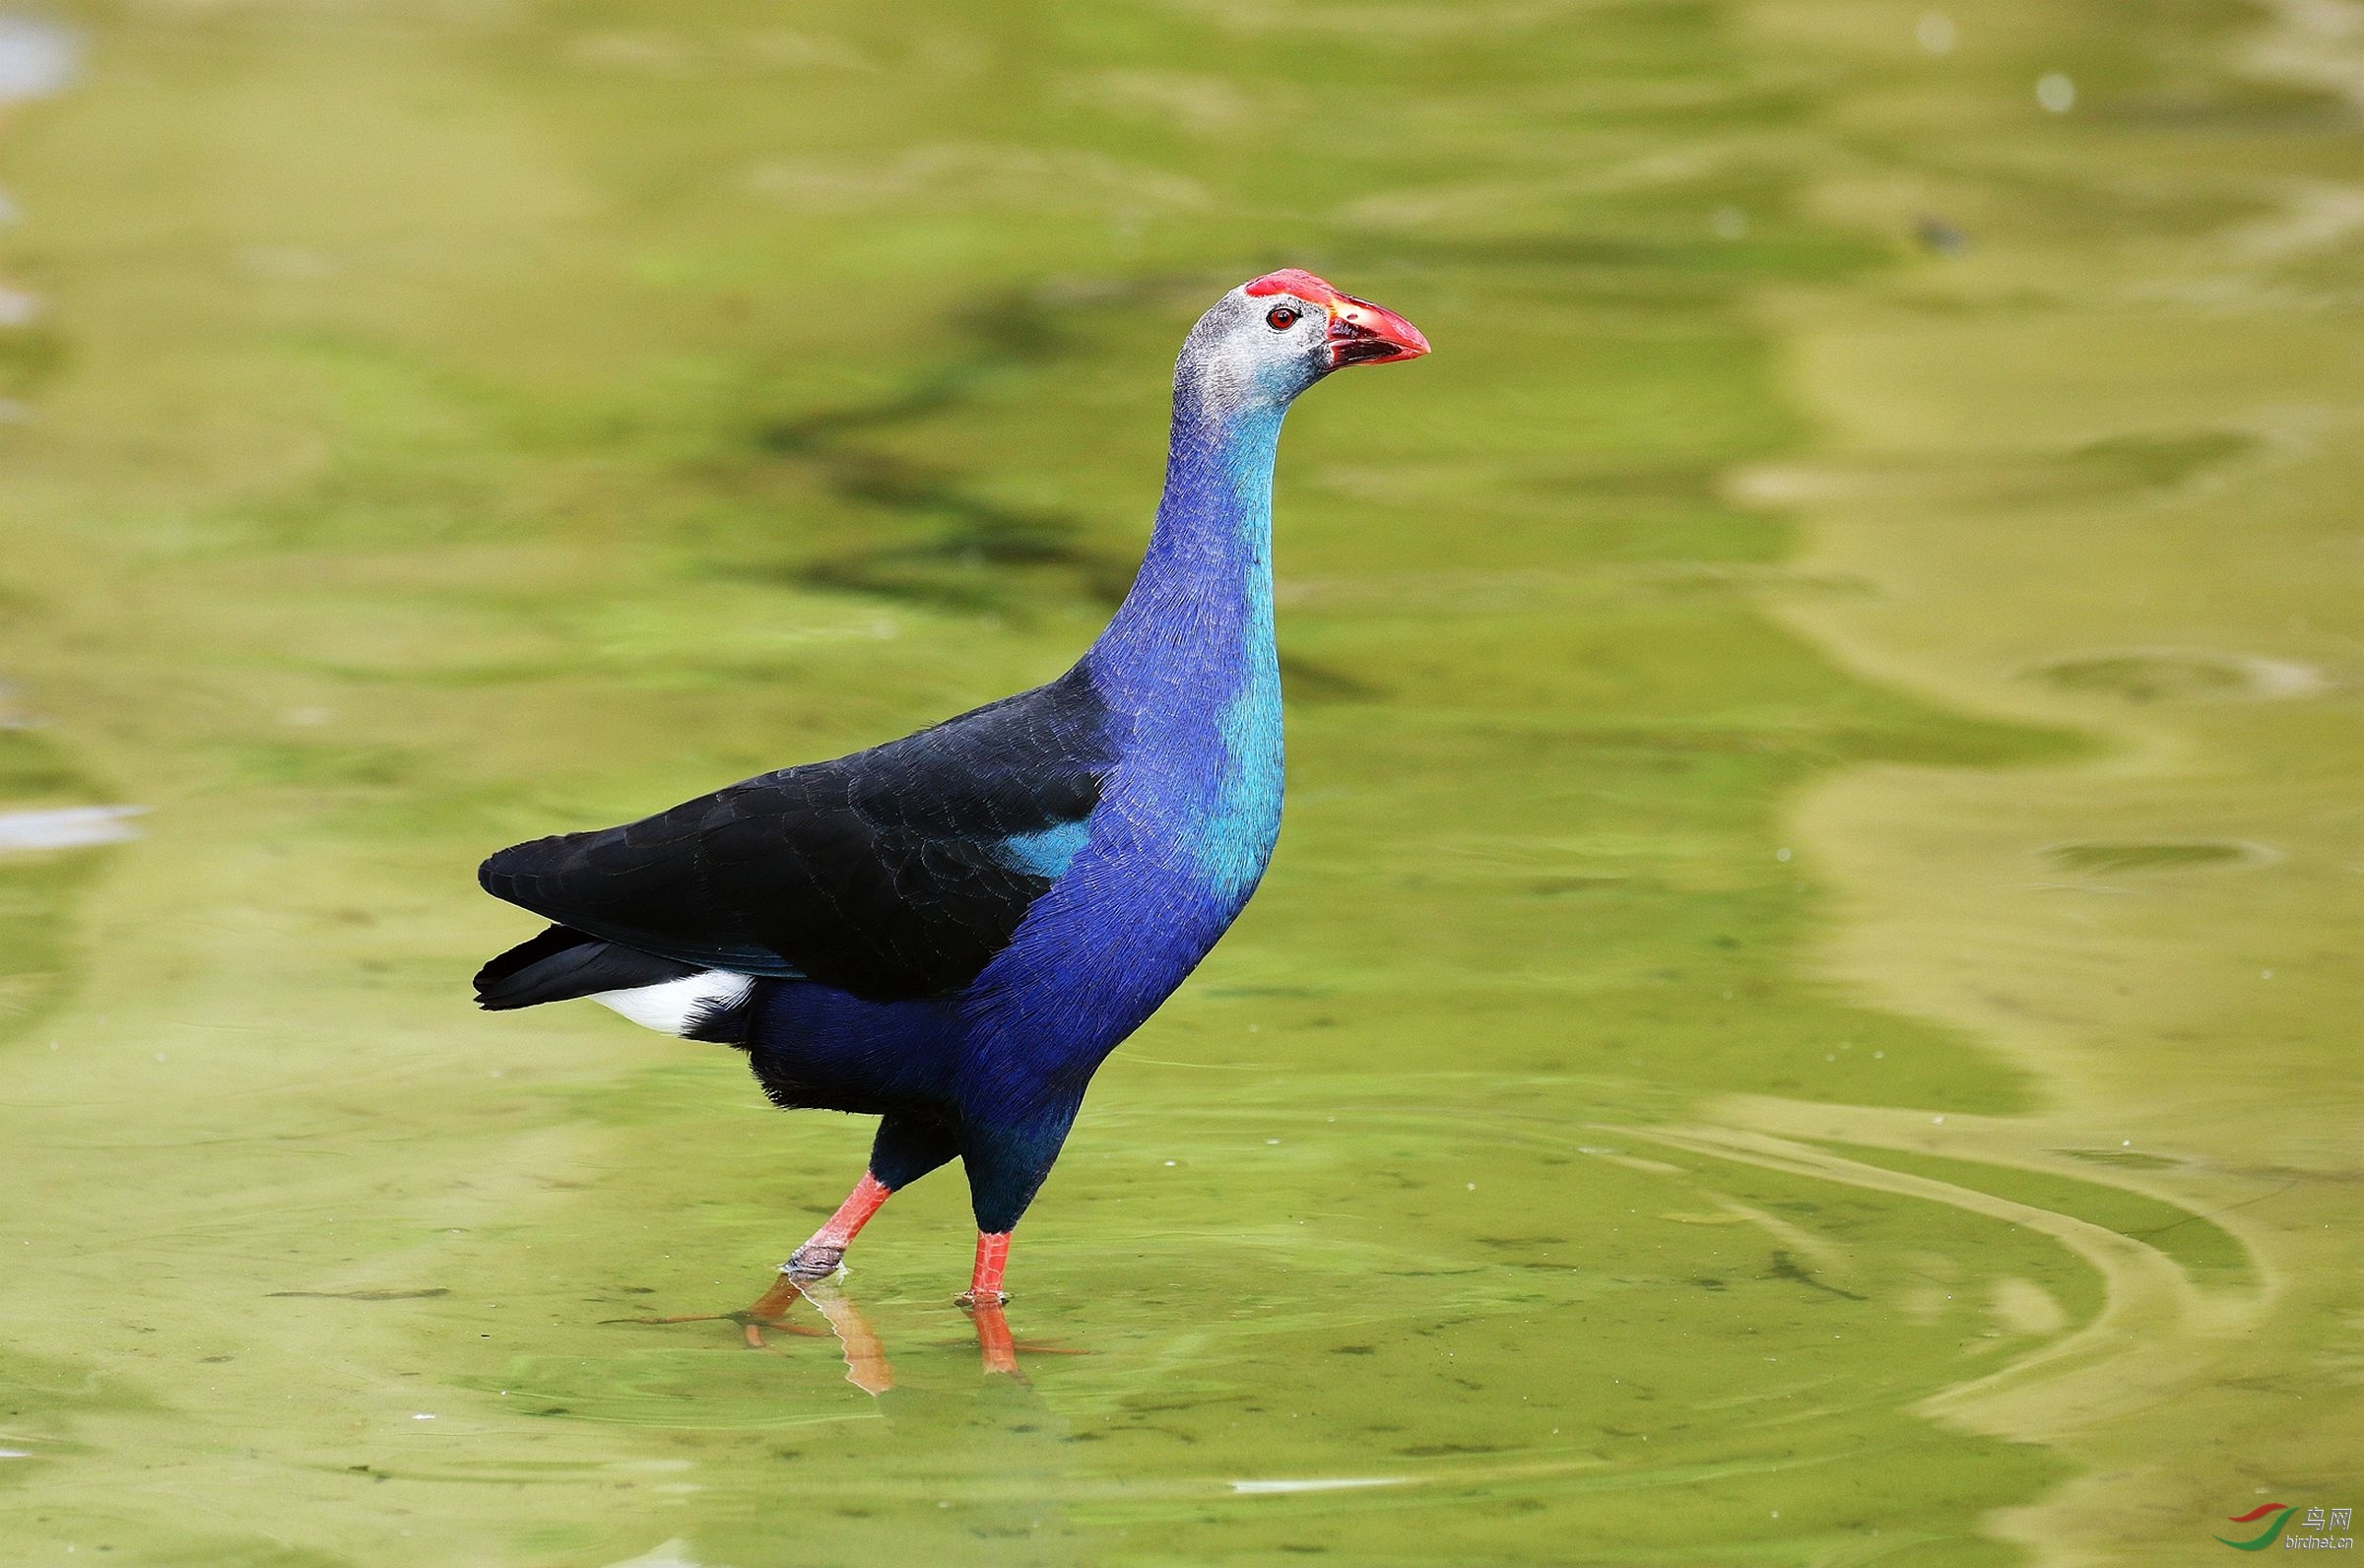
point(1188, 815)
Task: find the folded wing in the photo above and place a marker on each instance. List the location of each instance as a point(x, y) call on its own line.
point(894, 874)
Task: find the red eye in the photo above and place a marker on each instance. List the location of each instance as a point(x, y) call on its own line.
point(1281, 317)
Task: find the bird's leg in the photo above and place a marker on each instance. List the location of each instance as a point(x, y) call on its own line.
point(905, 1151)
point(1006, 1164)
point(985, 1280)
point(820, 1257)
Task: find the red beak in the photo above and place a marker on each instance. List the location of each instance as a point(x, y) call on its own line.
point(1362, 333)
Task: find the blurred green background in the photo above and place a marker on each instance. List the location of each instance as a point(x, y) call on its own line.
point(1805, 1014)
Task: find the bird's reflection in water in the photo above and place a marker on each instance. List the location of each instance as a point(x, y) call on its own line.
point(957, 1464)
point(865, 1364)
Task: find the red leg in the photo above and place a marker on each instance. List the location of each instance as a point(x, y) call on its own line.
point(820, 1255)
point(985, 1280)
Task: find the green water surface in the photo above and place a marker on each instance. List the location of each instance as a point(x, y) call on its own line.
point(1626, 1129)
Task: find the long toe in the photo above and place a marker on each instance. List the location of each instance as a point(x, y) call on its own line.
point(768, 1311)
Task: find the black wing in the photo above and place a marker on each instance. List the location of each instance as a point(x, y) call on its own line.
point(896, 872)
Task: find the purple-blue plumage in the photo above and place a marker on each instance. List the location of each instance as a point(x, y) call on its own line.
point(953, 931)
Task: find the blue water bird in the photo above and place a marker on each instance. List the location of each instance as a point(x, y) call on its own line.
point(951, 932)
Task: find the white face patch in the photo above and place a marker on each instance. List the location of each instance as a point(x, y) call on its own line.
point(1232, 358)
point(672, 1005)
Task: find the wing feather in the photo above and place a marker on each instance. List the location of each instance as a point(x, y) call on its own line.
point(892, 874)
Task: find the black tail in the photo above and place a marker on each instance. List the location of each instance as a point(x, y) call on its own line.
point(562, 964)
